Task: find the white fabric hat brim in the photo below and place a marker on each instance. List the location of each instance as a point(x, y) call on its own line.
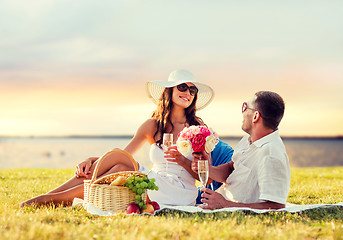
point(155, 90)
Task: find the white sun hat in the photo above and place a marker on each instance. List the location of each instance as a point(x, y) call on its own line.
point(155, 88)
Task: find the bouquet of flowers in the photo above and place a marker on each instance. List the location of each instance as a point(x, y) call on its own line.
point(196, 138)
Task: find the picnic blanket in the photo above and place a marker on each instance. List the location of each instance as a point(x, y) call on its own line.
point(291, 208)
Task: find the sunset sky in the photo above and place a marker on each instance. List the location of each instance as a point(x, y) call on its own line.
point(79, 67)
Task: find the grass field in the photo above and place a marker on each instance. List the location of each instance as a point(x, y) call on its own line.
point(308, 186)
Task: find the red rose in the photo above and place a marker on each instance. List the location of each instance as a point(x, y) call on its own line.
point(198, 143)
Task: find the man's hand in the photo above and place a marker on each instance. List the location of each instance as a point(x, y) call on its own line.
point(213, 199)
point(216, 200)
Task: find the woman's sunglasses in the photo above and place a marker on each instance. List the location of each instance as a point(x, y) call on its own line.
point(184, 87)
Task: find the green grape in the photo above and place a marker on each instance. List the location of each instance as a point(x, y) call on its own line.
point(138, 185)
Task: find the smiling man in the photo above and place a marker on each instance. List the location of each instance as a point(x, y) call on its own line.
point(259, 174)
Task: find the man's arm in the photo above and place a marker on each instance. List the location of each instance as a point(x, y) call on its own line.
point(216, 200)
point(221, 173)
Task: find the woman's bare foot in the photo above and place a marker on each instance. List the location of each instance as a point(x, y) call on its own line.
point(36, 201)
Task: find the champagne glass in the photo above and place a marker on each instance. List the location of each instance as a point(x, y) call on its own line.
point(203, 172)
point(167, 142)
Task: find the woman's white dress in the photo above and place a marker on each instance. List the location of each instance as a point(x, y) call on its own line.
point(176, 185)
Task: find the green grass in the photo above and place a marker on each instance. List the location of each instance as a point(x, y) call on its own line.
point(308, 186)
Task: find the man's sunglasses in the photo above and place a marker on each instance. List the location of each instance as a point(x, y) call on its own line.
point(183, 87)
point(245, 107)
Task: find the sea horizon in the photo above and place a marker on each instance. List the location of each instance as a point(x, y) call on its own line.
point(67, 151)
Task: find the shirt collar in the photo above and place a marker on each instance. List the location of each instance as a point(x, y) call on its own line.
point(266, 139)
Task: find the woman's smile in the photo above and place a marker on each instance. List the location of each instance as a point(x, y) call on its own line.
point(185, 98)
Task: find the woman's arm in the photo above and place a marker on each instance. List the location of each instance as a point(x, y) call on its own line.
point(144, 133)
point(173, 155)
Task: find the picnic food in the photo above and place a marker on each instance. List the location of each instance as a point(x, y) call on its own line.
point(119, 181)
point(149, 209)
point(133, 208)
point(138, 185)
point(155, 205)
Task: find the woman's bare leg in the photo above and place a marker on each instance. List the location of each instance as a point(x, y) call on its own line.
point(65, 193)
point(109, 162)
point(65, 198)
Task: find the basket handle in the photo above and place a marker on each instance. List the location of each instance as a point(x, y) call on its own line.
point(108, 153)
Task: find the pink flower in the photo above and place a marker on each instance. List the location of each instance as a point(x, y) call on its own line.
point(198, 143)
point(204, 131)
point(196, 138)
point(196, 130)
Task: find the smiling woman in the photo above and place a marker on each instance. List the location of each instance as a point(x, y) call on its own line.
point(176, 108)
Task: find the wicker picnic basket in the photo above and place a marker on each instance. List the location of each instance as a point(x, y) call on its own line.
point(101, 194)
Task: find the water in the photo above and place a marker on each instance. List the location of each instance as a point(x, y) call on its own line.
point(67, 152)
point(315, 152)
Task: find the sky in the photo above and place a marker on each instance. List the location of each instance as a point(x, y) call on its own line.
point(79, 67)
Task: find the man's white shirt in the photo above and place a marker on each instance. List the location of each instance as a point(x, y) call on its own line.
point(261, 171)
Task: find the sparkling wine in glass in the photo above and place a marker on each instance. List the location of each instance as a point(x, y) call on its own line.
point(167, 142)
point(203, 172)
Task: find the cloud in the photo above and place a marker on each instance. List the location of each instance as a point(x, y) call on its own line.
point(98, 54)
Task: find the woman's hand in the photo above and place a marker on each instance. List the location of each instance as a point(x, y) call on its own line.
point(173, 155)
point(83, 168)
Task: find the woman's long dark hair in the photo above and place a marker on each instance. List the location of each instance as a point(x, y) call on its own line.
point(163, 111)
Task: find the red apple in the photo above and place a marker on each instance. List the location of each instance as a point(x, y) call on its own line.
point(149, 209)
point(155, 205)
point(133, 208)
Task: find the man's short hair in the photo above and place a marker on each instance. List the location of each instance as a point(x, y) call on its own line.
point(271, 106)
